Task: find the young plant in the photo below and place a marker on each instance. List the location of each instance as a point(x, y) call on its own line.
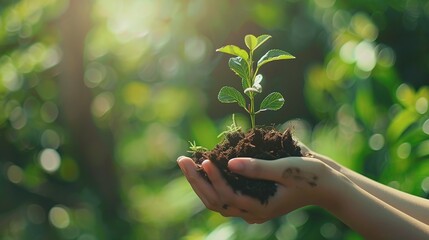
point(244, 66)
point(193, 147)
point(231, 128)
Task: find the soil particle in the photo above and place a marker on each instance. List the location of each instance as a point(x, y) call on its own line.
point(260, 143)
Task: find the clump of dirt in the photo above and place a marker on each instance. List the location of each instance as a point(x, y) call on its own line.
point(260, 143)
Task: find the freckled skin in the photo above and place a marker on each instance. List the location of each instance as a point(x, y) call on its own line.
point(297, 174)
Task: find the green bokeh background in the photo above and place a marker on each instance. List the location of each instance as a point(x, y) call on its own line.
point(98, 99)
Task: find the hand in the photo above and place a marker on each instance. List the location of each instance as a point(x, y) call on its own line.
point(305, 151)
point(301, 182)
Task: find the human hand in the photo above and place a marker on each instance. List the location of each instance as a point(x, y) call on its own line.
point(300, 182)
point(306, 151)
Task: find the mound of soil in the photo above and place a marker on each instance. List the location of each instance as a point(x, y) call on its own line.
point(267, 144)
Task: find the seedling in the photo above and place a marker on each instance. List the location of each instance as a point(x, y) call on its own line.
point(231, 128)
point(193, 147)
point(260, 143)
point(244, 66)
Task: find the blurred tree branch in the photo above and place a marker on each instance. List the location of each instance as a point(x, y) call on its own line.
point(94, 151)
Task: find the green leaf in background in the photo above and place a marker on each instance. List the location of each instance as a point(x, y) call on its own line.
point(274, 55)
point(274, 101)
point(422, 149)
point(239, 66)
point(231, 95)
point(400, 123)
point(234, 50)
point(365, 105)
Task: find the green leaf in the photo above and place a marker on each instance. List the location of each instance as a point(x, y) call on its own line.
point(251, 42)
point(244, 83)
point(400, 123)
point(274, 55)
point(274, 101)
point(231, 95)
point(262, 39)
point(234, 50)
point(239, 66)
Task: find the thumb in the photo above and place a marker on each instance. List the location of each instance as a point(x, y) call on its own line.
point(256, 168)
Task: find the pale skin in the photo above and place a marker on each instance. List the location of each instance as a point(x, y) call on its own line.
point(372, 209)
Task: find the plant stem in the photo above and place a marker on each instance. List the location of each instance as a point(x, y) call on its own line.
point(251, 96)
point(252, 111)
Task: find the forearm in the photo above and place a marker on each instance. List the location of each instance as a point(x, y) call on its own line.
point(371, 217)
point(412, 205)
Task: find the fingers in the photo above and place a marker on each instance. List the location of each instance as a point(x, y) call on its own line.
point(219, 183)
point(210, 194)
point(260, 169)
point(201, 187)
point(249, 208)
point(224, 191)
point(219, 196)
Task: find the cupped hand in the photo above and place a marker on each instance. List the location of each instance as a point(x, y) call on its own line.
point(301, 181)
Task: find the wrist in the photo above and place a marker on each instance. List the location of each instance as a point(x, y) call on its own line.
point(333, 190)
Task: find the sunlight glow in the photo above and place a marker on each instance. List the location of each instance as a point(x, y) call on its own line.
point(102, 104)
point(94, 74)
point(376, 142)
point(386, 57)
point(422, 105)
point(404, 150)
point(50, 160)
point(328, 230)
point(365, 56)
point(50, 139)
point(404, 92)
point(136, 93)
point(14, 174)
point(224, 231)
point(287, 232)
point(347, 52)
point(49, 112)
point(195, 49)
point(18, 118)
point(9, 76)
point(425, 185)
point(363, 26)
point(425, 127)
point(59, 217)
point(297, 218)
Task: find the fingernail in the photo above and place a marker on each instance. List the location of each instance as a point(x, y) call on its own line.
point(180, 158)
point(180, 166)
point(235, 165)
point(205, 162)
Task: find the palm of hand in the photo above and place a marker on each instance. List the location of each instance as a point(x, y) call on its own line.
point(297, 182)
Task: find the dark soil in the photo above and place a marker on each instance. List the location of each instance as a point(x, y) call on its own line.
point(267, 144)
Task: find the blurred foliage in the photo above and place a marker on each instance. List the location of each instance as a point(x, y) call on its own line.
point(88, 144)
